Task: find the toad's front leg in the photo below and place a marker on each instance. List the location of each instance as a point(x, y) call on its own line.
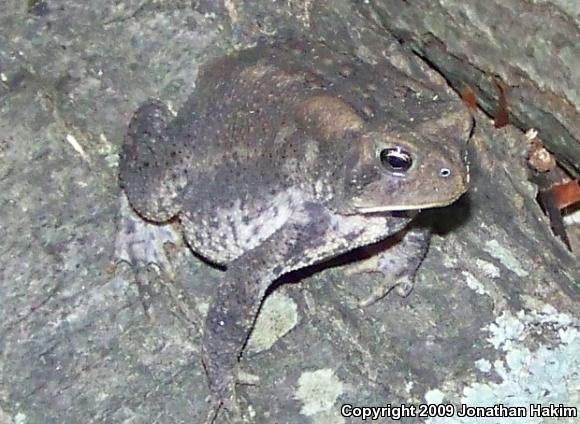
point(234, 307)
point(398, 264)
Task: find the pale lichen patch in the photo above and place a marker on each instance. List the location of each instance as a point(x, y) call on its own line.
point(489, 269)
point(434, 396)
point(473, 283)
point(505, 257)
point(483, 365)
point(318, 391)
point(541, 358)
point(278, 316)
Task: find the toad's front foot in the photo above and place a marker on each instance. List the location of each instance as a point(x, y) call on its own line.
point(402, 287)
point(398, 264)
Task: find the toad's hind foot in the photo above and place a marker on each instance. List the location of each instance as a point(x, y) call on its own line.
point(223, 406)
point(141, 244)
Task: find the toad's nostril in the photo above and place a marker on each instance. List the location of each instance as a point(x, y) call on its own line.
point(444, 172)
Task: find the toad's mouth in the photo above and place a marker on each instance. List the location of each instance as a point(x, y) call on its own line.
point(407, 207)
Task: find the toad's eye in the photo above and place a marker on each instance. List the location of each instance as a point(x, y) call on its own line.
point(396, 159)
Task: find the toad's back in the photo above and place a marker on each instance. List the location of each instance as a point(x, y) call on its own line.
point(242, 129)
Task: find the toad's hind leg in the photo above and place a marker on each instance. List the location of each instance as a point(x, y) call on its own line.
point(148, 164)
point(234, 307)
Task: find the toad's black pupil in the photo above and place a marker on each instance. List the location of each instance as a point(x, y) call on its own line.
point(396, 159)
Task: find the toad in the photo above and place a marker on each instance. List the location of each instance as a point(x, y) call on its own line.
point(286, 155)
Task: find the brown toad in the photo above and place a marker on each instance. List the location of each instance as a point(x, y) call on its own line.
point(286, 155)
